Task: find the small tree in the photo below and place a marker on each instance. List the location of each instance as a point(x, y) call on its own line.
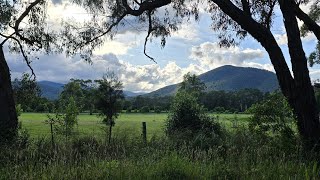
point(72, 89)
point(273, 117)
point(53, 121)
point(109, 99)
point(192, 84)
point(188, 119)
point(71, 116)
point(64, 123)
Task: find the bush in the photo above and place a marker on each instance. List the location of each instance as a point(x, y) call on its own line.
point(145, 109)
point(187, 121)
point(273, 118)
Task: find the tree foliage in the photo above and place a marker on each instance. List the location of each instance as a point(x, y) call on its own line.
point(26, 92)
point(187, 118)
point(271, 115)
point(109, 99)
point(192, 84)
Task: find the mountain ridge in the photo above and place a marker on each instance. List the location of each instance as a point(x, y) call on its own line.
point(230, 78)
point(51, 90)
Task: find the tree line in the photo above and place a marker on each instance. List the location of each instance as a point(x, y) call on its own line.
point(27, 95)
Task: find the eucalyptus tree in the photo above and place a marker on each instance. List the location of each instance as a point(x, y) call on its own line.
point(233, 20)
point(192, 84)
point(109, 98)
point(22, 30)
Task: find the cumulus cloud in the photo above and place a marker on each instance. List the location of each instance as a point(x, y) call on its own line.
point(211, 55)
point(134, 77)
point(188, 31)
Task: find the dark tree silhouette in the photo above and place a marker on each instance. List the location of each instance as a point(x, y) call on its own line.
point(109, 99)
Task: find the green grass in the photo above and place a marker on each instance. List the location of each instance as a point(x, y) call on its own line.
point(128, 122)
point(238, 154)
point(241, 156)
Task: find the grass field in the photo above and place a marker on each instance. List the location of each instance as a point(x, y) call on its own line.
point(237, 154)
point(128, 122)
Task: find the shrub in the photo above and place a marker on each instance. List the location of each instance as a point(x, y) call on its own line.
point(187, 121)
point(273, 118)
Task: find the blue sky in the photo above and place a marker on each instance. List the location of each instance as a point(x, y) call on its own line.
point(193, 48)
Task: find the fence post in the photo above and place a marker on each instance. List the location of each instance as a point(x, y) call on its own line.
point(144, 132)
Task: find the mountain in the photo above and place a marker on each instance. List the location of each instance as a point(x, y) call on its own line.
point(52, 90)
point(230, 78)
point(132, 94)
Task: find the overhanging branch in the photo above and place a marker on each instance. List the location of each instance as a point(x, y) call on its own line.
point(20, 19)
point(150, 29)
point(25, 57)
point(310, 23)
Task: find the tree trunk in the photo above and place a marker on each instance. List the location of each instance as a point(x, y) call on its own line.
point(303, 100)
point(110, 132)
point(8, 114)
point(298, 90)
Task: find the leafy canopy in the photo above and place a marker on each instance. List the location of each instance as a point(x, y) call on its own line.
point(109, 97)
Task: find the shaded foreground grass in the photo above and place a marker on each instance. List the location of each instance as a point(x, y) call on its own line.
point(241, 156)
point(129, 122)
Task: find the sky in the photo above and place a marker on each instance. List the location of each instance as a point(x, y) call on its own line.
point(193, 48)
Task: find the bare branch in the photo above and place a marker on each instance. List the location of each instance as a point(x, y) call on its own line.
point(150, 29)
point(25, 57)
point(268, 18)
point(310, 23)
point(104, 33)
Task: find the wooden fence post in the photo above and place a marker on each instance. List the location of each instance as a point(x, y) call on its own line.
point(144, 132)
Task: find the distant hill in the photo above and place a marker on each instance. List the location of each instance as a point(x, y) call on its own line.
point(52, 90)
point(230, 78)
point(132, 94)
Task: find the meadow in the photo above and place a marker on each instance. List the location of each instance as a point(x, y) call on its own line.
point(92, 125)
point(239, 154)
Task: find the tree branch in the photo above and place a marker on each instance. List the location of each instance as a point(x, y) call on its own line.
point(6, 38)
point(265, 38)
point(145, 6)
point(20, 19)
point(25, 57)
point(246, 7)
point(268, 18)
point(150, 29)
point(310, 23)
point(104, 33)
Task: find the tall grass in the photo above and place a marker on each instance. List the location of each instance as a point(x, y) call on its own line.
point(241, 155)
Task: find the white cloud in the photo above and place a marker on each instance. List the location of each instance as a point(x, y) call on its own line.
point(282, 39)
point(188, 31)
point(211, 55)
point(146, 78)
